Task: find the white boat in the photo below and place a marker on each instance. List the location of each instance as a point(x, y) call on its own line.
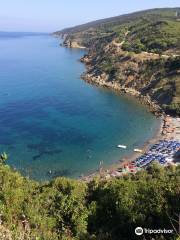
point(138, 150)
point(122, 146)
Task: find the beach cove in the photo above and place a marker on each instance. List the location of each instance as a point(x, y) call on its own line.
point(53, 123)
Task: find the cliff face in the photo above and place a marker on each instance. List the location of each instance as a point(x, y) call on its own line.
point(72, 44)
point(69, 42)
point(141, 74)
point(138, 53)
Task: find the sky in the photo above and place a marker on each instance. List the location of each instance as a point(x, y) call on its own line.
point(53, 15)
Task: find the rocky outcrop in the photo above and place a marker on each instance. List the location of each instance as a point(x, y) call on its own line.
point(101, 80)
point(72, 44)
point(68, 41)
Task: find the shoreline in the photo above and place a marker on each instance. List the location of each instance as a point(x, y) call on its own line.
point(154, 108)
point(111, 170)
point(144, 99)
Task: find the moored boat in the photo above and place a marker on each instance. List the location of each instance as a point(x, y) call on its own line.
point(138, 150)
point(122, 146)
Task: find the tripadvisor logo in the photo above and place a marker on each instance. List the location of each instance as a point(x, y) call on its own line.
point(139, 231)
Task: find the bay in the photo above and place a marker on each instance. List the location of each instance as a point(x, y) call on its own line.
point(54, 124)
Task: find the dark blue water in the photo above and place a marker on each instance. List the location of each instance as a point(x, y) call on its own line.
point(51, 120)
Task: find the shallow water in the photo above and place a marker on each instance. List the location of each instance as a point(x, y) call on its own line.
point(54, 124)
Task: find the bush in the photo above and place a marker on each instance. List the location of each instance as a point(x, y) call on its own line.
point(73, 210)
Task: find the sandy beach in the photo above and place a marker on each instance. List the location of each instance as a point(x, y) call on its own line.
point(169, 130)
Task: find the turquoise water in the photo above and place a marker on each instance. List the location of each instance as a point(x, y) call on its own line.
point(51, 120)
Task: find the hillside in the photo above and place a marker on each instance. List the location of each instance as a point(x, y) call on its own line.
point(137, 53)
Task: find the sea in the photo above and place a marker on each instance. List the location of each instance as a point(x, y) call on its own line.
point(52, 123)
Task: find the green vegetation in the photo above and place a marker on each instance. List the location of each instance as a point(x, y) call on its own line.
point(153, 30)
point(108, 24)
point(165, 87)
point(153, 36)
point(100, 210)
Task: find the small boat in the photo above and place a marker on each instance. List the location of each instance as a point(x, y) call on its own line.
point(138, 150)
point(122, 146)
